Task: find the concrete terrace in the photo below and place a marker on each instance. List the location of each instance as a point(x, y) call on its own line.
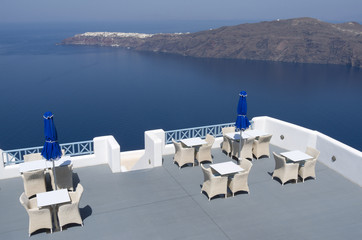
point(165, 203)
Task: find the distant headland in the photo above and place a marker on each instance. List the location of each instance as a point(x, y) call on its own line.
point(300, 40)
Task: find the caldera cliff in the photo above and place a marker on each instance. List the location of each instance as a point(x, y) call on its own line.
point(300, 40)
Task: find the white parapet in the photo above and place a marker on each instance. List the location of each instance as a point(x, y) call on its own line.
point(107, 150)
point(154, 148)
point(342, 158)
point(336, 155)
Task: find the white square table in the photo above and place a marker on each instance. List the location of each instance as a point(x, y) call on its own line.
point(236, 135)
point(192, 142)
point(43, 164)
point(255, 133)
point(52, 197)
point(226, 168)
point(296, 155)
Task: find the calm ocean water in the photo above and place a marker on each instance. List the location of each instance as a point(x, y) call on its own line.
point(96, 91)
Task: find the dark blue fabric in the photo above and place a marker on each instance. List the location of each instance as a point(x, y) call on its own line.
point(51, 149)
point(242, 121)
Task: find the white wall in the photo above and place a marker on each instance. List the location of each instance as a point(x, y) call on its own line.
point(106, 151)
point(348, 160)
point(154, 147)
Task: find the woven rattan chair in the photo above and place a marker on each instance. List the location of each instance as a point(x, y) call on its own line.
point(245, 164)
point(32, 157)
point(69, 212)
point(285, 171)
point(308, 169)
point(261, 146)
point(204, 152)
point(64, 175)
point(38, 218)
point(183, 155)
point(213, 185)
point(239, 182)
point(226, 144)
point(34, 182)
point(246, 148)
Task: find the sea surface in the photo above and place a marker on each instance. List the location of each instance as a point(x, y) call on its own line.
point(98, 91)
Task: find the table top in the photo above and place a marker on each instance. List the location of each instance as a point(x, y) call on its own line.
point(296, 155)
point(255, 133)
point(236, 135)
point(226, 168)
point(52, 197)
point(190, 142)
point(43, 164)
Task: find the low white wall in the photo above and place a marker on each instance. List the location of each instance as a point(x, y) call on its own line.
point(286, 135)
point(106, 151)
point(154, 147)
point(348, 160)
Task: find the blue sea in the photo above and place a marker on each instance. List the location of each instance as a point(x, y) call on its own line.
point(98, 91)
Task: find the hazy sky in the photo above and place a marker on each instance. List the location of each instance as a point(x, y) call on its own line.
point(121, 10)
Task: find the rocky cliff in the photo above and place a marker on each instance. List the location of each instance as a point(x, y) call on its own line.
point(302, 40)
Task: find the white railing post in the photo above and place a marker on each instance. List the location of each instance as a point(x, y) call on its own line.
point(2, 173)
point(107, 150)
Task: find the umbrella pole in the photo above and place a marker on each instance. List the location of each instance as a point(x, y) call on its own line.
point(55, 178)
point(240, 146)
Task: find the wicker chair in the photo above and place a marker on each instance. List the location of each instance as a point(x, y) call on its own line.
point(308, 169)
point(64, 175)
point(32, 157)
point(285, 171)
point(183, 155)
point(213, 185)
point(204, 152)
point(69, 212)
point(246, 148)
point(239, 182)
point(38, 218)
point(245, 164)
point(261, 146)
point(226, 144)
point(34, 182)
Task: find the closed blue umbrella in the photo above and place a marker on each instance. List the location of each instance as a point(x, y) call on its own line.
point(242, 121)
point(51, 150)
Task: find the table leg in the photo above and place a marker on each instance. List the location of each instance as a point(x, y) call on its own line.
point(55, 218)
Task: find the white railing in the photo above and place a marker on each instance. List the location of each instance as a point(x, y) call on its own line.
point(16, 156)
point(215, 130)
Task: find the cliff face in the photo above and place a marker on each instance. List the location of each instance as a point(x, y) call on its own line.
point(303, 40)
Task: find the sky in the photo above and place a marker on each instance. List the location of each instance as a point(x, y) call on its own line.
point(165, 10)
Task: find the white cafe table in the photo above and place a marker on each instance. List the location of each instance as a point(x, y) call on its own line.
point(236, 135)
point(255, 133)
point(296, 156)
point(52, 198)
point(193, 142)
point(43, 164)
point(226, 168)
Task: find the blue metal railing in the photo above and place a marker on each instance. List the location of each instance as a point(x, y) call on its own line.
point(15, 156)
point(215, 130)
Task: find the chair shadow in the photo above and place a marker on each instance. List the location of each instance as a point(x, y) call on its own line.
point(76, 179)
point(85, 212)
point(43, 230)
point(238, 193)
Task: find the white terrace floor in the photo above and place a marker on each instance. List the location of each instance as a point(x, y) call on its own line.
point(165, 203)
